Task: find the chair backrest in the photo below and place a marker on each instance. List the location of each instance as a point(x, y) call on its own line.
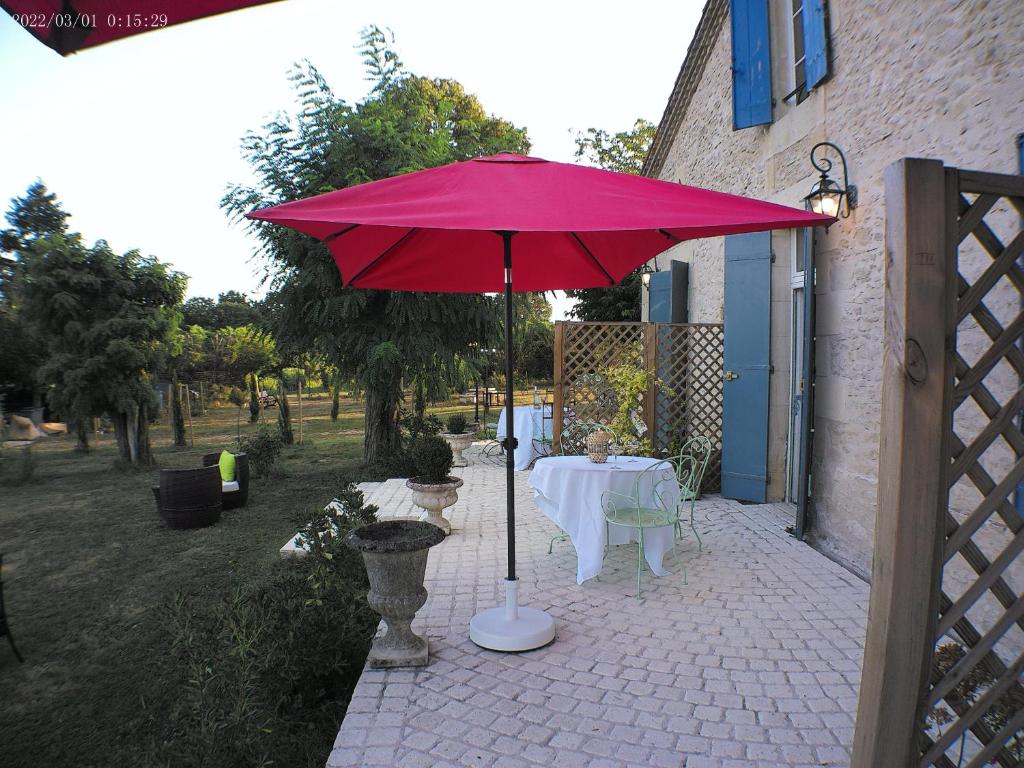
point(689, 470)
point(573, 441)
point(698, 448)
point(649, 489)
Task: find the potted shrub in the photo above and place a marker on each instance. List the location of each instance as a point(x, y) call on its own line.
point(458, 438)
point(395, 553)
point(433, 489)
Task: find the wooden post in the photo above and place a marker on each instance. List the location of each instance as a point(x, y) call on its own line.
point(202, 398)
point(558, 396)
point(915, 423)
point(300, 409)
point(650, 336)
point(188, 410)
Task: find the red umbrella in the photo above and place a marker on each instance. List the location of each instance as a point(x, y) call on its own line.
point(453, 229)
point(71, 25)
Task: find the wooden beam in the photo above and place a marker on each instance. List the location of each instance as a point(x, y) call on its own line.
point(997, 183)
point(650, 342)
point(916, 371)
point(557, 405)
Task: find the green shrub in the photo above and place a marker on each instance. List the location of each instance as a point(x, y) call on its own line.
point(267, 673)
point(456, 424)
point(263, 449)
point(414, 427)
point(433, 458)
point(284, 416)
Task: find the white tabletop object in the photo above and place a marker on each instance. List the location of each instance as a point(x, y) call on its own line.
point(530, 425)
point(568, 490)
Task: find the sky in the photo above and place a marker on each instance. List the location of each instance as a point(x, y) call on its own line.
point(139, 138)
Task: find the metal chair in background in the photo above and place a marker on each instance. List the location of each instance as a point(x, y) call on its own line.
point(691, 464)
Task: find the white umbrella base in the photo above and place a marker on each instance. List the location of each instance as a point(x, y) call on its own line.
point(512, 628)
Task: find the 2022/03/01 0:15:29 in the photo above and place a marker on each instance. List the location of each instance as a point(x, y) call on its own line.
point(91, 20)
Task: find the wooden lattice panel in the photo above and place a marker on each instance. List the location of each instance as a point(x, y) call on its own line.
point(687, 358)
point(974, 703)
point(689, 364)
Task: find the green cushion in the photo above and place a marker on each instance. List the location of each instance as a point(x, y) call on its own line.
point(227, 466)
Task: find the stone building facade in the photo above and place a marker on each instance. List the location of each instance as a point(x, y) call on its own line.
point(941, 79)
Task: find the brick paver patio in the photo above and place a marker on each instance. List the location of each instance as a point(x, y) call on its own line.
point(753, 660)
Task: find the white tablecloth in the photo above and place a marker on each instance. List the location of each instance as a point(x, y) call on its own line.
point(568, 490)
point(530, 425)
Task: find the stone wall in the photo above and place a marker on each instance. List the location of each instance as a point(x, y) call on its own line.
point(941, 79)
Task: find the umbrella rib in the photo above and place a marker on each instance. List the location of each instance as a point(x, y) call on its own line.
point(339, 233)
point(386, 252)
point(670, 236)
point(592, 258)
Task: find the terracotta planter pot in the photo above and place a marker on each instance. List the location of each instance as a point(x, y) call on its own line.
point(458, 444)
point(395, 553)
point(433, 498)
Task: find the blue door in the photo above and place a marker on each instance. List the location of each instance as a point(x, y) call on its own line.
point(748, 272)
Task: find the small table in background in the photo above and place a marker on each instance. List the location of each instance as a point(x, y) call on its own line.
point(529, 427)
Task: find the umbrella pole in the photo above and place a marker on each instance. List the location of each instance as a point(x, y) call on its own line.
point(510, 438)
point(510, 628)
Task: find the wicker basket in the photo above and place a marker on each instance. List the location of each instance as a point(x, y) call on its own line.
point(597, 446)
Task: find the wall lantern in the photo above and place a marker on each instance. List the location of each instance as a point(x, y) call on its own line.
point(645, 274)
point(826, 195)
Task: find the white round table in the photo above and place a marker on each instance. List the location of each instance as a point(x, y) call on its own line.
point(568, 490)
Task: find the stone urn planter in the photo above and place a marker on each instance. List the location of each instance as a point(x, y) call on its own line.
point(458, 444)
point(434, 497)
point(395, 553)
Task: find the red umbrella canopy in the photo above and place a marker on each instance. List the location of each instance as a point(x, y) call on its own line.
point(576, 227)
point(71, 25)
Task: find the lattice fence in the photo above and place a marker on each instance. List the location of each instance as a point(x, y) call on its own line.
point(955, 292)
point(687, 358)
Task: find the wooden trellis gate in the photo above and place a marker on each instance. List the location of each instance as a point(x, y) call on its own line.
point(944, 656)
point(686, 357)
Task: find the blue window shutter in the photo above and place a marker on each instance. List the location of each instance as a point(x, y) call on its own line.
point(815, 43)
point(659, 297)
point(751, 63)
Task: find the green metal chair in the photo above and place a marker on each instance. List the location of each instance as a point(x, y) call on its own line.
point(573, 442)
point(654, 512)
point(691, 464)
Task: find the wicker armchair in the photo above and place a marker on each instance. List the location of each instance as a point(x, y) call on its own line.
point(233, 499)
point(189, 498)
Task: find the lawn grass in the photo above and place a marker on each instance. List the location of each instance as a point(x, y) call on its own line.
point(89, 569)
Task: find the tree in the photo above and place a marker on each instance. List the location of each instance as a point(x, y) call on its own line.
point(108, 319)
point(232, 309)
point(38, 214)
point(624, 152)
point(376, 338)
